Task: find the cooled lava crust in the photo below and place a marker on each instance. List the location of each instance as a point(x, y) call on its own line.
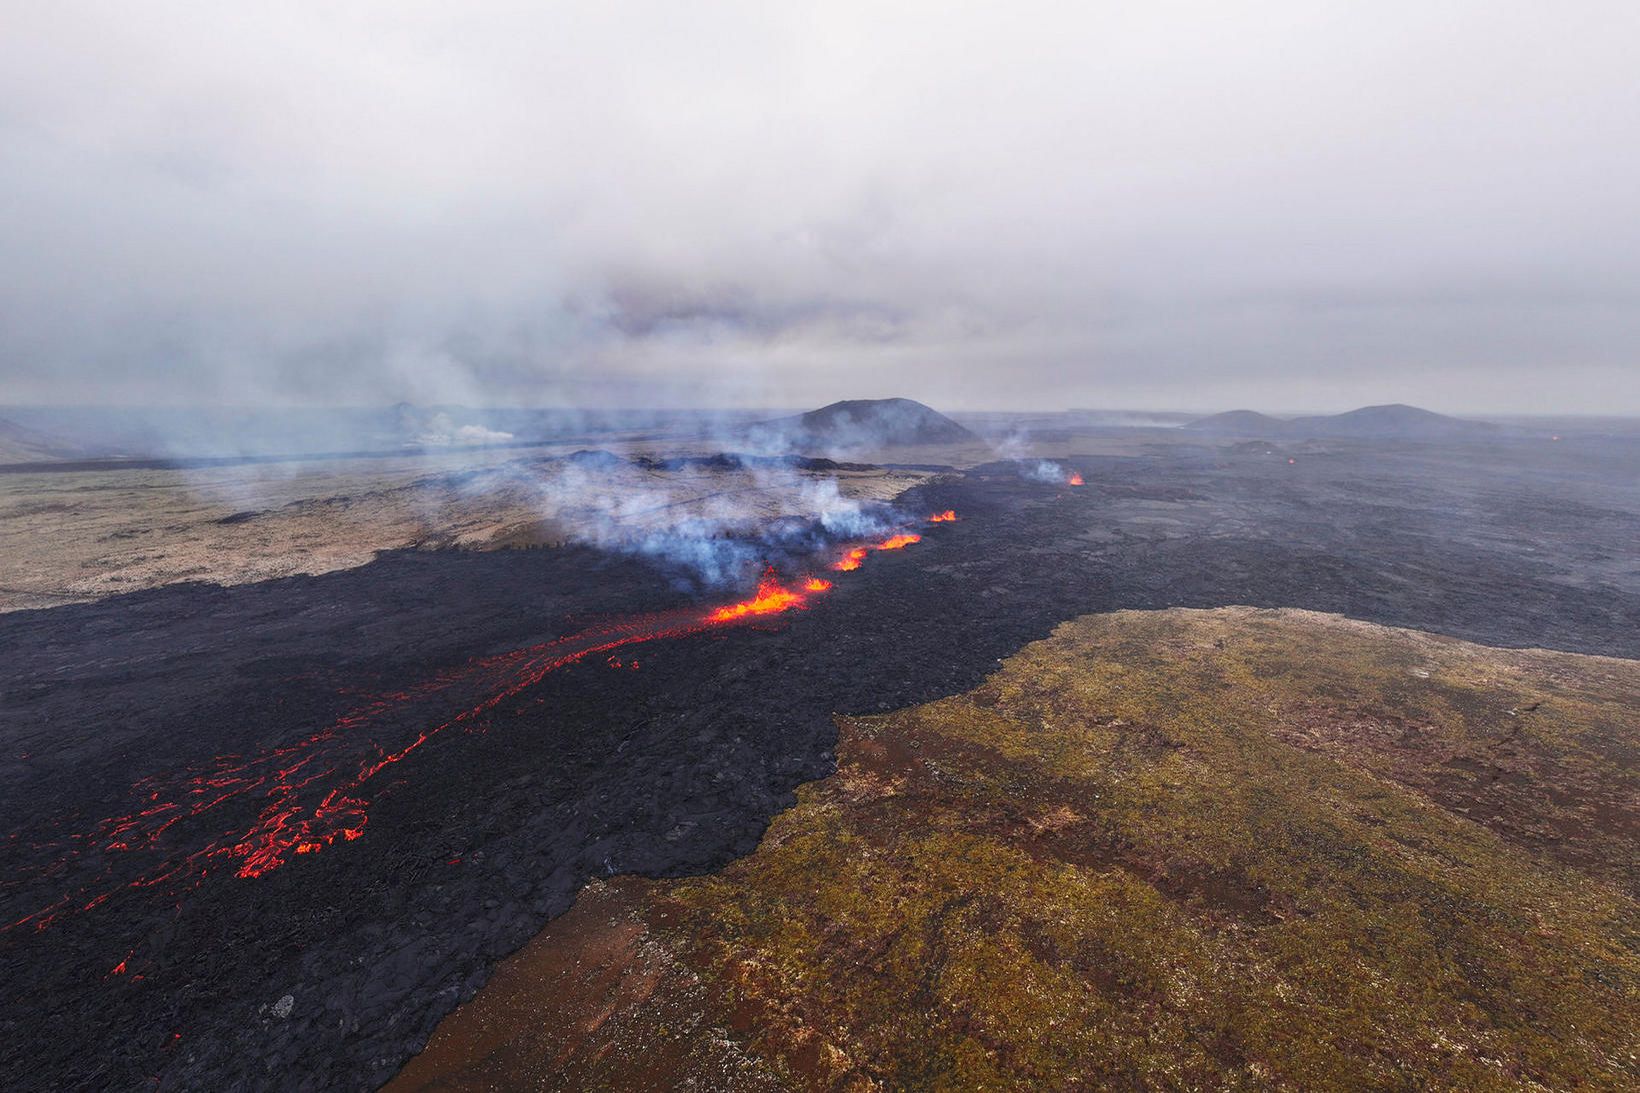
point(331, 966)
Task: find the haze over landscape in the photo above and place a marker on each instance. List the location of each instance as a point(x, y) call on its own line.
point(819, 547)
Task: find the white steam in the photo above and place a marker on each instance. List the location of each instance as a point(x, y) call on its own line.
point(443, 432)
point(1043, 470)
point(711, 520)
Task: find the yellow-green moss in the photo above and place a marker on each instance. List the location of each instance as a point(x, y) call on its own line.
point(1207, 850)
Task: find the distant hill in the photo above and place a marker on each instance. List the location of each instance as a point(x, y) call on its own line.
point(874, 423)
point(1395, 420)
point(20, 444)
point(1240, 423)
point(1392, 422)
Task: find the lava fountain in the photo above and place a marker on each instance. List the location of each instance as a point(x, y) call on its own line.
point(771, 599)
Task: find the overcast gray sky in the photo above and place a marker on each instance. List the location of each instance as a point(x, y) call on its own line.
point(1303, 205)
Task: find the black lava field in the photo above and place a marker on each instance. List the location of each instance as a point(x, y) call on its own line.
point(266, 836)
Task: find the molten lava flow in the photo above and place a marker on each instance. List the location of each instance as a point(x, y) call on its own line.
point(943, 517)
point(851, 561)
point(857, 555)
point(1075, 479)
point(250, 814)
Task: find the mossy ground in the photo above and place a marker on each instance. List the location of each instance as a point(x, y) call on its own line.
point(1172, 850)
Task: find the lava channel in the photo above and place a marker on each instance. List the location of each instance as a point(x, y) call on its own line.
point(250, 814)
point(855, 557)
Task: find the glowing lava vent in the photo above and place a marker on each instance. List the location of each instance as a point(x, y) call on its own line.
point(852, 560)
point(771, 599)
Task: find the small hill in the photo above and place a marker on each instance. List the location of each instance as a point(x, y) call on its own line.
point(1395, 421)
point(876, 423)
point(1240, 423)
point(20, 444)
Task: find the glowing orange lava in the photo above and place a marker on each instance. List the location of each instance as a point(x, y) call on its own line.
point(897, 541)
point(943, 517)
point(317, 791)
point(771, 599)
point(851, 560)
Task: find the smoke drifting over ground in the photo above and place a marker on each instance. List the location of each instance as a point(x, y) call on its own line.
point(766, 510)
point(1042, 470)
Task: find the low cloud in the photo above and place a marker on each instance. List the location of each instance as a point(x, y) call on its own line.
point(1292, 206)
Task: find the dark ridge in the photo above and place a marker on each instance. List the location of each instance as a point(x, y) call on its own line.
point(1240, 422)
point(876, 423)
point(1393, 422)
point(596, 458)
point(734, 461)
